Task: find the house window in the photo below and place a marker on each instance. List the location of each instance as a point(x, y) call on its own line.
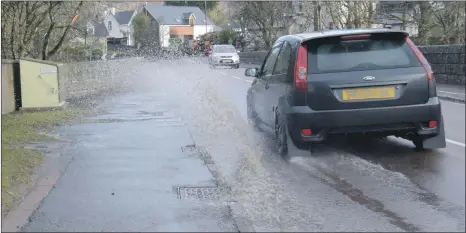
point(300, 7)
point(109, 25)
point(191, 20)
point(90, 31)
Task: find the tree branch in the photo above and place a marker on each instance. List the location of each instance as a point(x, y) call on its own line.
point(12, 33)
point(47, 34)
point(62, 38)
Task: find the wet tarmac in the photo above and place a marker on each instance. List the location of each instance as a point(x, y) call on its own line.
point(127, 162)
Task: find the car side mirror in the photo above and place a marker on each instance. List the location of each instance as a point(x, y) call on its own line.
point(251, 72)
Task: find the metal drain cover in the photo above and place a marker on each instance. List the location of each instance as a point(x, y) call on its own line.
point(189, 148)
point(199, 193)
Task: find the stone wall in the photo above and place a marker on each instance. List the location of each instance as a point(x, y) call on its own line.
point(447, 61)
point(81, 79)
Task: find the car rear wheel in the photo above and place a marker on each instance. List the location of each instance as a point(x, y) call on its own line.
point(281, 138)
point(285, 145)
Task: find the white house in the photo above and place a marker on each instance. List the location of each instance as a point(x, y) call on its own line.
point(183, 22)
point(112, 25)
point(118, 26)
point(124, 19)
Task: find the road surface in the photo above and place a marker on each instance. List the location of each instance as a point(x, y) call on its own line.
point(128, 167)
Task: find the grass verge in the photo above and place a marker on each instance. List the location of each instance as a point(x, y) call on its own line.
point(18, 164)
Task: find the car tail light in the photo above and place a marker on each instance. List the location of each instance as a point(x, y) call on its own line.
point(422, 59)
point(356, 37)
point(306, 132)
point(301, 69)
point(432, 124)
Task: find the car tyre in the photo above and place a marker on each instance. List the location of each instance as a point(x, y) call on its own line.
point(281, 138)
point(284, 144)
point(236, 66)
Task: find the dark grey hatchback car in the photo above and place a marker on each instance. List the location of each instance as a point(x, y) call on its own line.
point(361, 81)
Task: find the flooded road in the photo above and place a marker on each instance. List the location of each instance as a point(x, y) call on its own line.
point(128, 161)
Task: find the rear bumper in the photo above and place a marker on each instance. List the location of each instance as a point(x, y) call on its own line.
point(217, 62)
point(389, 121)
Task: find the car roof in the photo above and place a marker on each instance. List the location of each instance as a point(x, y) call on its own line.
point(340, 32)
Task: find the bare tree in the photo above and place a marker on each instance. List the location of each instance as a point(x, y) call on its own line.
point(436, 21)
point(348, 14)
point(268, 19)
point(449, 17)
point(91, 12)
point(35, 28)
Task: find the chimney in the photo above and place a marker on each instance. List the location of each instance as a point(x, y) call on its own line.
point(113, 10)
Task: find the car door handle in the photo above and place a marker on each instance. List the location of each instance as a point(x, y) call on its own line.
point(267, 86)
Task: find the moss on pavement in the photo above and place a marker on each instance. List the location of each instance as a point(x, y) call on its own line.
point(18, 163)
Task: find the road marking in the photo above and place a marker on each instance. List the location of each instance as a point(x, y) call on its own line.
point(451, 102)
point(455, 93)
point(455, 142)
point(249, 81)
point(222, 73)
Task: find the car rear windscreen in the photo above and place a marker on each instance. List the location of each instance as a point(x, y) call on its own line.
point(336, 55)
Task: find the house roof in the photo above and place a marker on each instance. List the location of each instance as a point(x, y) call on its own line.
point(123, 17)
point(174, 15)
point(99, 29)
point(186, 15)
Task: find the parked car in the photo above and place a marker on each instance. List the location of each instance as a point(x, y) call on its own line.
point(361, 81)
point(224, 55)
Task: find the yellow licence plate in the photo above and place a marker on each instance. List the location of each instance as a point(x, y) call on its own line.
point(369, 93)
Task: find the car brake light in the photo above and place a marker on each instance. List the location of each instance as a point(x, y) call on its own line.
point(432, 124)
point(301, 69)
point(356, 37)
point(422, 59)
point(306, 132)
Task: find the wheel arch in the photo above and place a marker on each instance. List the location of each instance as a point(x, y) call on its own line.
point(281, 109)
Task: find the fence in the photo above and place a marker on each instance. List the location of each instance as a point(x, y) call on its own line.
point(447, 61)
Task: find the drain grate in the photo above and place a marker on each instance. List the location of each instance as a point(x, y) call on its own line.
point(200, 193)
point(189, 148)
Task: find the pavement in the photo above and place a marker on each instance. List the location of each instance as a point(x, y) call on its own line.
point(451, 92)
point(177, 154)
